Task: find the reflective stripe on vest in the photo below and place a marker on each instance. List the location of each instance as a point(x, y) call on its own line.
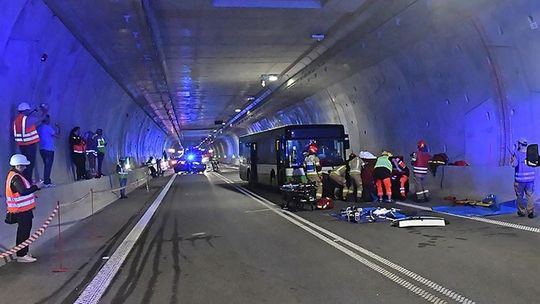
point(101, 143)
point(23, 134)
point(523, 172)
point(15, 202)
point(420, 170)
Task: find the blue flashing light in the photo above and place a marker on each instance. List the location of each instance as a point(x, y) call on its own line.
point(190, 157)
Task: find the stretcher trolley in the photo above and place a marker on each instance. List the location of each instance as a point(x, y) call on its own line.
point(299, 196)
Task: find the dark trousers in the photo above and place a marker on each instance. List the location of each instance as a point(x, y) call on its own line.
point(100, 157)
point(48, 158)
point(123, 182)
point(30, 152)
point(24, 219)
point(79, 159)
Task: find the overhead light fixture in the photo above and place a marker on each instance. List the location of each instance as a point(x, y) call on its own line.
point(172, 150)
point(250, 98)
point(272, 77)
point(263, 83)
point(223, 123)
point(238, 110)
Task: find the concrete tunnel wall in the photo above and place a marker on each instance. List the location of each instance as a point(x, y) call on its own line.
point(464, 77)
point(78, 90)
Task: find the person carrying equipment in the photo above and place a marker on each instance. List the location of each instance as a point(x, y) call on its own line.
point(401, 173)
point(420, 160)
point(382, 174)
point(355, 174)
point(524, 177)
point(20, 201)
point(312, 165)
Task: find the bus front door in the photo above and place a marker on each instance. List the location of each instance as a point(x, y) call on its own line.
point(252, 178)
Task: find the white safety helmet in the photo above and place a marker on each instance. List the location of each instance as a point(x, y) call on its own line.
point(23, 106)
point(18, 160)
point(366, 155)
point(522, 141)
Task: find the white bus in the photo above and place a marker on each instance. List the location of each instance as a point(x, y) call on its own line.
point(265, 156)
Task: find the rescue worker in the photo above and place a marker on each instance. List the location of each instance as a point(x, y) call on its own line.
point(122, 176)
point(420, 160)
point(524, 177)
point(400, 172)
point(20, 201)
point(26, 135)
point(368, 183)
point(312, 165)
point(78, 148)
point(101, 149)
point(355, 175)
point(339, 176)
point(91, 152)
point(382, 174)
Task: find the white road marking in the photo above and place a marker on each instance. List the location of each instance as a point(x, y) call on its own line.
point(258, 210)
point(476, 218)
point(333, 239)
point(99, 284)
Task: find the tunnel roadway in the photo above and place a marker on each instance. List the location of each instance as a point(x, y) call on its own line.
point(214, 240)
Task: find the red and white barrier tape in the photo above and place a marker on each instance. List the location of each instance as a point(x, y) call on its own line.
point(33, 237)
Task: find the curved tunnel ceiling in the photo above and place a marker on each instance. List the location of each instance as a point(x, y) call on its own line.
point(191, 63)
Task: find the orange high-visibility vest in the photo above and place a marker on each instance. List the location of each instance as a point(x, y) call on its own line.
point(16, 202)
point(24, 135)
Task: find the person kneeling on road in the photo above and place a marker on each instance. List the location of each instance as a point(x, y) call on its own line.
point(20, 201)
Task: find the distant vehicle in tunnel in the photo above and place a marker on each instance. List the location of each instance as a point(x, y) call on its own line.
point(265, 157)
point(190, 162)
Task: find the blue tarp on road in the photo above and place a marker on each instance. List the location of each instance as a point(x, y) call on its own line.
point(503, 208)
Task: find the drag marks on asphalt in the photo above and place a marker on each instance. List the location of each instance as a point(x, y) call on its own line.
point(347, 247)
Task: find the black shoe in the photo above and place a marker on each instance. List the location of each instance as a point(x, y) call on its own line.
point(530, 215)
point(520, 214)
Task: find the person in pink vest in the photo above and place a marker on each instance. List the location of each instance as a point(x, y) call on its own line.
point(20, 202)
point(420, 160)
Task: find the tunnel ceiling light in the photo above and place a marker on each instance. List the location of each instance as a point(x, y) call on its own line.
point(238, 110)
point(272, 77)
point(172, 150)
point(263, 83)
point(250, 98)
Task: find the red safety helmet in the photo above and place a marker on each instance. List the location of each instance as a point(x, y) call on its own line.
point(312, 149)
point(325, 203)
point(352, 155)
point(421, 144)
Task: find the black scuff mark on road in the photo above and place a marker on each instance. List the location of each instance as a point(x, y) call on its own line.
point(155, 265)
point(176, 263)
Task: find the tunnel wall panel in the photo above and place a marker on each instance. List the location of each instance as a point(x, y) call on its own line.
point(463, 75)
point(78, 90)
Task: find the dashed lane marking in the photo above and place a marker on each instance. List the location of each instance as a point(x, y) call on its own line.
point(478, 219)
point(99, 284)
point(336, 241)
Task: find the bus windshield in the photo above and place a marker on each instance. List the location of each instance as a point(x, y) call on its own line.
point(331, 152)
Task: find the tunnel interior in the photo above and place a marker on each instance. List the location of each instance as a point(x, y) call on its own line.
point(463, 75)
